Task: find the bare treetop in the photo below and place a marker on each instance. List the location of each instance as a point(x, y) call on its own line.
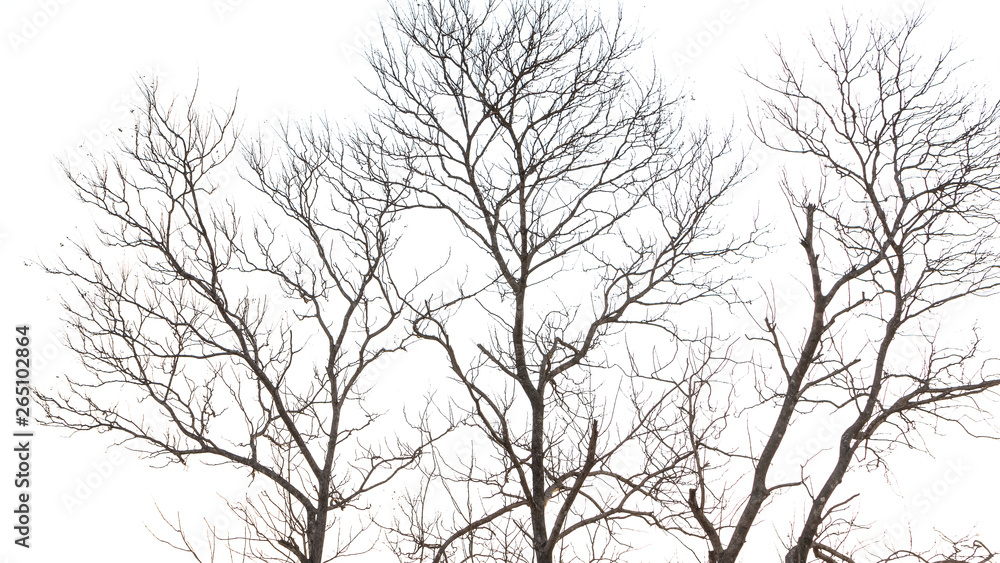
point(594, 204)
point(898, 224)
point(190, 364)
point(568, 253)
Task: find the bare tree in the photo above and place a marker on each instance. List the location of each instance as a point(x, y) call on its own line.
point(584, 394)
point(584, 210)
point(898, 226)
point(189, 357)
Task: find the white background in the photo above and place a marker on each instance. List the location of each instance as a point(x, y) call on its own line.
point(68, 73)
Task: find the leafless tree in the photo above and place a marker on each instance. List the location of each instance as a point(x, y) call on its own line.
point(189, 357)
point(897, 227)
point(584, 212)
point(580, 392)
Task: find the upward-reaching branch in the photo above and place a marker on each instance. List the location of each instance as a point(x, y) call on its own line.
point(902, 225)
point(187, 361)
point(591, 205)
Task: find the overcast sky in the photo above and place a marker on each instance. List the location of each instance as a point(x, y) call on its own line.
point(69, 70)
